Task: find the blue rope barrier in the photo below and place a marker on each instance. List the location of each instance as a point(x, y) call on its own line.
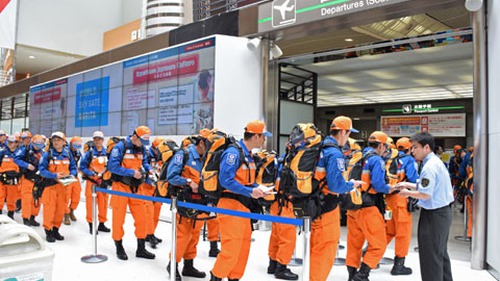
point(208, 209)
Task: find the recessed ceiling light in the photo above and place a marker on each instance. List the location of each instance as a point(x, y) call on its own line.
point(31, 57)
point(349, 39)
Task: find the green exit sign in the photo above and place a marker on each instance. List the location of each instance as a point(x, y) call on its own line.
point(421, 108)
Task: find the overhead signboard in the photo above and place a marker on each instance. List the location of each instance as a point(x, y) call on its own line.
point(439, 125)
point(282, 13)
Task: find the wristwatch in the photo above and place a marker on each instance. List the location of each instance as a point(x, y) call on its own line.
point(188, 182)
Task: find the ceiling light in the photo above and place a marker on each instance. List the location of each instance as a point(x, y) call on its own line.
point(349, 39)
point(31, 57)
point(473, 5)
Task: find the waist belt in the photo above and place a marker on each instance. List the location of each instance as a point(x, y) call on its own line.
point(10, 178)
point(130, 181)
point(31, 175)
point(245, 201)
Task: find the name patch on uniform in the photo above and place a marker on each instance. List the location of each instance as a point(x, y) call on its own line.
point(425, 182)
point(178, 159)
point(341, 164)
point(231, 159)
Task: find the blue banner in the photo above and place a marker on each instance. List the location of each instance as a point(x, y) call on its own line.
point(92, 100)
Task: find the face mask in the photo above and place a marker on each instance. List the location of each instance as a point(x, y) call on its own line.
point(38, 146)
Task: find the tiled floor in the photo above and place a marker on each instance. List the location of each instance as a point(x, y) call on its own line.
point(78, 243)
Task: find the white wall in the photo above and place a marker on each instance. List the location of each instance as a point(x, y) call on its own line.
point(69, 26)
point(493, 232)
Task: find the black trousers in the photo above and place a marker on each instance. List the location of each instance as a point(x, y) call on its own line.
point(433, 232)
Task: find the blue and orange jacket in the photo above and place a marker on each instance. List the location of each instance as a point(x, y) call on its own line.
point(33, 157)
point(8, 163)
point(94, 162)
point(61, 162)
point(126, 158)
point(408, 171)
point(374, 173)
point(332, 166)
point(178, 172)
point(235, 175)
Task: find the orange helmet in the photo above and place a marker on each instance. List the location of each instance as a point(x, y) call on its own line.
point(456, 148)
point(204, 133)
point(13, 138)
point(25, 134)
point(378, 136)
point(157, 142)
point(403, 143)
point(60, 135)
point(471, 149)
point(76, 142)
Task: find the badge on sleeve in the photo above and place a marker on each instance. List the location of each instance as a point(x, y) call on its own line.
point(341, 164)
point(178, 159)
point(425, 182)
point(114, 152)
point(231, 159)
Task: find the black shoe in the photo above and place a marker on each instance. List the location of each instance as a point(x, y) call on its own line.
point(49, 236)
point(284, 273)
point(213, 278)
point(10, 214)
point(152, 241)
point(90, 229)
point(26, 222)
point(157, 239)
point(191, 271)
point(120, 252)
point(56, 233)
point(33, 222)
point(362, 274)
point(177, 274)
point(214, 250)
point(272, 266)
point(352, 271)
point(103, 228)
point(18, 205)
point(399, 267)
point(228, 279)
point(141, 250)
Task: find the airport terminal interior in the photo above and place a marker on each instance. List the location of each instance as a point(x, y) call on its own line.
point(396, 66)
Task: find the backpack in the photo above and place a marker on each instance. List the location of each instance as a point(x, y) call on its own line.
point(297, 180)
point(110, 144)
point(355, 163)
point(167, 150)
point(217, 142)
point(266, 173)
point(88, 146)
point(392, 167)
point(188, 140)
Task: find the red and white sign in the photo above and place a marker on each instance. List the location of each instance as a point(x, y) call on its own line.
point(167, 69)
point(439, 125)
point(8, 15)
point(48, 95)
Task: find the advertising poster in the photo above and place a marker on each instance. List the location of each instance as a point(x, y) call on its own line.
point(48, 103)
point(439, 125)
point(92, 103)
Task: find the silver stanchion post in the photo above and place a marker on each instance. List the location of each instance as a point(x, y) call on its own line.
point(464, 238)
point(173, 256)
point(307, 248)
point(95, 258)
point(295, 261)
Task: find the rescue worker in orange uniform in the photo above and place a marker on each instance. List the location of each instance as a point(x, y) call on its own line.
point(93, 166)
point(128, 158)
point(25, 138)
point(399, 227)
point(367, 223)
point(55, 164)
point(237, 178)
point(186, 175)
point(9, 176)
point(153, 209)
point(325, 232)
point(454, 165)
point(28, 159)
point(75, 188)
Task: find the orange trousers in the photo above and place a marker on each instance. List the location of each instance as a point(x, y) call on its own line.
point(28, 207)
point(188, 235)
point(365, 224)
point(399, 227)
point(325, 235)
point(9, 193)
point(102, 203)
point(73, 195)
point(152, 208)
point(469, 215)
point(235, 235)
point(54, 205)
point(283, 236)
point(213, 229)
point(119, 206)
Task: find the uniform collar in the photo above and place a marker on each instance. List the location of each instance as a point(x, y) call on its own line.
point(428, 157)
point(193, 151)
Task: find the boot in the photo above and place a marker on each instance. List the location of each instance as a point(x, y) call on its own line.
point(362, 274)
point(10, 214)
point(33, 222)
point(120, 252)
point(152, 241)
point(57, 235)
point(352, 271)
point(90, 229)
point(141, 250)
point(399, 267)
point(49, 236)
point(26, 222)
point(284, 273)
point(213, 278)
point(66, 219)
point(72, 215)
point(214, 250)
point(191, 271)
point(19, 205)
point(103, 228)
point(177, 274)
point(228, 279)
point(272, 266)
point(157, 239)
